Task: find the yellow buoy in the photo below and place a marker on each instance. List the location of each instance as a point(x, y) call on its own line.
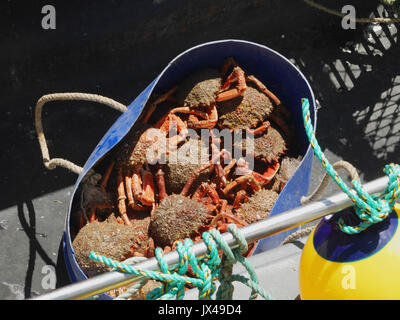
point(335, 265)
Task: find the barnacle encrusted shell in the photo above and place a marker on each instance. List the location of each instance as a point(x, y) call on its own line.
point(258, 206)
point(176, 218)
point(245, 111)
point(199, 89)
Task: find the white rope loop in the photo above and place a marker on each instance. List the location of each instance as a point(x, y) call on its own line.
point(59, 162)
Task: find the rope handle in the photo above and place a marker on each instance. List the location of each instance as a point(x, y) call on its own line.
point(59, 162)
point(319, 190)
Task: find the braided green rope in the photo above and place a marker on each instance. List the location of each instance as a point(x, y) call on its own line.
point(370, 209)
point(136, 286)
point(206, 270)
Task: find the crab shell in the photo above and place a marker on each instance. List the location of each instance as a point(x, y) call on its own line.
point(245, 111)
point(199, 89)
point(258, 206)
point(177, 217)
point(267, 146)
point(109, 238)
point(134, 149)
point(190, 157)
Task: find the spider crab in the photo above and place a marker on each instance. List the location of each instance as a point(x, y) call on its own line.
point(113, 239)
point(199, 94)
point(179, 216)
point(143, 146)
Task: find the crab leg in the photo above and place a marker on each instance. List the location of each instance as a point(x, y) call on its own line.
point(268, 175)
point(189, 110)
point(209, 123)
point(229, 167)
point(193, 177)
point(229, 62)
point(107, 175)
point(161, 183)
point(263, 178)
point(214, 160)
point(216, 155)
point(227, 216)
point(264, 126)
point(236, 75)
point(204, 189)
point(240, 181)
point(92, 215)
point(240, 196)
point(122, 197)
point(264, 89)
point(173, 121)
point(130, 193)
point(153, 106)
point(143, 189)
point(217, 165)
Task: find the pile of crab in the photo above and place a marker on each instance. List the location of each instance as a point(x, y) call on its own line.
point(143, 202)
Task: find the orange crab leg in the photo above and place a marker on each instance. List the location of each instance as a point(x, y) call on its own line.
point(268, 175)
point(229, 62)
point(107, 175)
point(161, 183)
point(161, 99)
point(214, 160)
point(229, 167)
point(264, 126)
point(224, 215)
point(148, 186)
point(263, 178)
point(92, 215)
point(172, 121)
point(149, 252)
point(249, 179)
point(204, 189)
point(144, 188)
point(192, 178)
point(189, 110)
point(209, 123)
point(217, 165)
point(264, 89)
point(129, 192)
point(237, 74)
point(122, 197)
point(240, 196)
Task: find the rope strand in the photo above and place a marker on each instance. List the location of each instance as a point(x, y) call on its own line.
point(206, 269)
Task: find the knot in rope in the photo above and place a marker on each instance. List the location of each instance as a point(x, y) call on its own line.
point(370, 209)
point(204, 270)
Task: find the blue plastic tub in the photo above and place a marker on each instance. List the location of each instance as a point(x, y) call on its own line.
point(274, 70)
